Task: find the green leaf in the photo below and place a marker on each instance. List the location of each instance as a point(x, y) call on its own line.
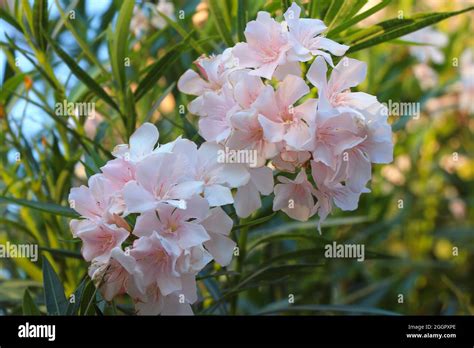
point(158, 102)
point(318, 8)
point(62, 252)
point(196, 45)
point(329, 309)
point(159, 68)
point(332, 11)
point(220, 15)
point(29, 306)
point(10, 19)
point(272, 272)
point(73, 307)
point(348, 9)
point(54, 297)
point(82, 75)
point(10, 86)
point(349, 23)
point(12, 290)
point(241, 19)
point(80, 41)
point(392, 30)
point(41, 206)
point(120, 42)
point(88, 299)
point(255, 222)
point(40, 22)
point(299, 230)
point(285, 4)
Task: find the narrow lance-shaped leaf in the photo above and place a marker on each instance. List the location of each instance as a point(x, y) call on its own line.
point(333, 10)
point(40, 22)
point(54, 297)
point(218, 10)
point(241, 19)
point(120, 42)
point(409, 26)
point(196, 45)
point(74, 301)
point(348, 9)
point(10, 19)
point(159, 68)
point(349, 23)
point(41, 206)
point(82, 75)
point(29, 306)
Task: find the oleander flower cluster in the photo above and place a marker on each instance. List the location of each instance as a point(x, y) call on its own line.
point(152, 219)
point(260, 96)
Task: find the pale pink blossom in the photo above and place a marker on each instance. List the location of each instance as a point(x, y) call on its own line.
point(247, 133)
point(216, 125)
point(180, 226)
point(217, 178)
point(266, 46)
point(378, 143)
point(157, 183)
point(336, 92)
point(142, 144)
point(289, 161)
point(331, 136)
point(294, 197)
point(306, 40)
point(118, 276)
point(156, 259)
point(212, 75)
point(330, 190)
point(247, 199)
point(154, 303)
point(98, 240)
point(218, 225)
point(280, 119)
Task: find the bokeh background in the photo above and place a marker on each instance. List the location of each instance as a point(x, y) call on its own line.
point(417, 224)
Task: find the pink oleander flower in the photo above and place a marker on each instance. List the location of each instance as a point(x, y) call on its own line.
point(279, 118)
point(156, 259)
point(213, 73)
point(295, 197)
point(330, 190)
point(169, 189)
point(247, 133)
point(266, 46)
point(215, 125)
point(157, 183)
point(304, 35)
point(154, 217)
point(261, 104)
point(118, 276)
point(336, 92)
point(247, 199)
